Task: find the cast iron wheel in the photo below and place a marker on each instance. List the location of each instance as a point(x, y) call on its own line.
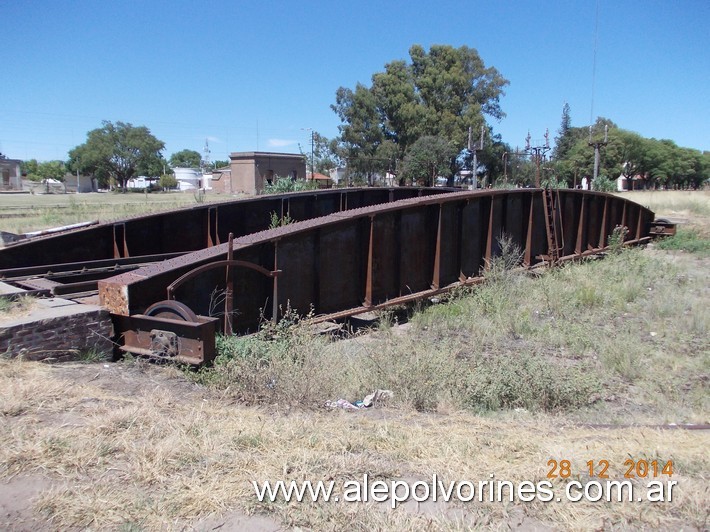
point(171, 309)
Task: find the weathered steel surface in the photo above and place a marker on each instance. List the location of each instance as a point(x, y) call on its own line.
point(352, 261)
point(190, 228)
point(351, 251)
point(188, 342)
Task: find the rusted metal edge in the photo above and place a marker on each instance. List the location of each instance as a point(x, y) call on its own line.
point(119, 283)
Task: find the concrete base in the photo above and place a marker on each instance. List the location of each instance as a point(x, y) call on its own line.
point(56, 329)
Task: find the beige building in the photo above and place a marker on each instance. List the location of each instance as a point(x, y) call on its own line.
point(248, 172)
point(10, 174)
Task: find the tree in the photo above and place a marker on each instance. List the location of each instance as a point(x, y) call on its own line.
point(565, 138)
point(491, 160)
point(186, 159)
point(221, 164)
point(428, 158)
point(120, 151)
point(52, 170)
point(441, 93)
point(29, 168)
point(45, 170)
point(455, 90)
point(326, 154)
point(167, 181)
point(658, 163)
point(361, 133)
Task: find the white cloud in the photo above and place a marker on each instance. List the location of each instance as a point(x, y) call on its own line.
point(280, 143)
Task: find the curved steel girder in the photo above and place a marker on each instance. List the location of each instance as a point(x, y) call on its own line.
point(350, 261)
point(198, 226)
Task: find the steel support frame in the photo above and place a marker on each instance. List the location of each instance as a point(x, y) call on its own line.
point(399, 252)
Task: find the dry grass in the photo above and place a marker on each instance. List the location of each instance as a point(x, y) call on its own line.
point(22, 213)
point(11, 309)
point(688, 207)
point(168, 455)
point(136, 446)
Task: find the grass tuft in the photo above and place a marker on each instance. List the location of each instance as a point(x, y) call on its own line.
point(689, 240)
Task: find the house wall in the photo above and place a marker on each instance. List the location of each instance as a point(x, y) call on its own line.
point(79, 184)
point(221, 181)
point(250, 171)
point(10, 174)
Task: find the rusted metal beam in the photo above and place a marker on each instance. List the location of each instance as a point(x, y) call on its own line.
point(198, 226)
point(350, 251)
point(175, 340)
point(380, 254)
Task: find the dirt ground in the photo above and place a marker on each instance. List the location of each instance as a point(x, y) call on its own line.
point(101, 385)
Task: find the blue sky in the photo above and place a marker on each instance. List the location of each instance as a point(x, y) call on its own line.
point(257, 75)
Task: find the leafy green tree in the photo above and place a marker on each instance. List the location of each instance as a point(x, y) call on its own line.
point(326, 153)
point(400, 109)
point(571, 159)
point(29, 168)
point(491, 160)
point(440, 93)
point(120, 151)
point(45, 170)
point(361, 133)
point(167, 181)
point(704, 179)
point(428, 158)
point(185, 159)
point(565, 137)
point(659, 163)
point(578, 161)
point(522, 171)
point(631, 155)
point(155, 167)
point(220, 164)
point(455, 89)
point(52, 170)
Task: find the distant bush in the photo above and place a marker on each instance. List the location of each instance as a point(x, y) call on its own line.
point(167, 181)
point(603, 184)
point(552, 182)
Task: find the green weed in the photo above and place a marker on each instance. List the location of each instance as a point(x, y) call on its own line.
point(689, 240)
point(279, 221)
point(282, 185)
point(527, 381)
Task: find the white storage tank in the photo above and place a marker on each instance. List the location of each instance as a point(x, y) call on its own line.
point(188, 178)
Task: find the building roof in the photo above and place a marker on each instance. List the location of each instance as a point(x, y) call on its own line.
point(316, 175)
point(261, 154)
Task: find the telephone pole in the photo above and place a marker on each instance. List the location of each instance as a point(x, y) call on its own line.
point(537, 152)
point(597, 145)
point(312, 146)
point(475, 149)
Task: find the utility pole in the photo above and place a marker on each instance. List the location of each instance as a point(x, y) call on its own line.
point(312, 149)
point(537, 152)
point(475, 150)
point(597, 145)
